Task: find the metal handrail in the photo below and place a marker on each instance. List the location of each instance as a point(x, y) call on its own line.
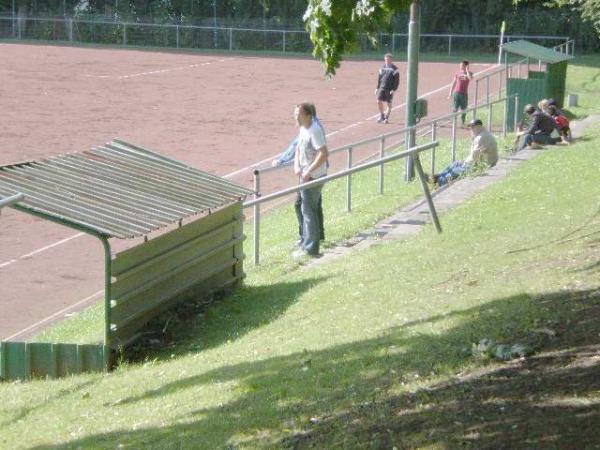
point(11, 200)
point(402, 131)
point(422, 128)
point(412, 152)
point(343, 173)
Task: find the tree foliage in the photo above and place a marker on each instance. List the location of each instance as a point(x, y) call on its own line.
point(590, 9)
point(335, 25)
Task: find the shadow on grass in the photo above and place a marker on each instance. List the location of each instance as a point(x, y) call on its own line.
point(190, 326)
point(352, 396)
point(22, 413)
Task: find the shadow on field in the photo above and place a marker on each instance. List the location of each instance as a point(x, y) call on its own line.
point(208, 322)
point(352, 396)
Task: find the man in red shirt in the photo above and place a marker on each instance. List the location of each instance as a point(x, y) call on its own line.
point(459, 91)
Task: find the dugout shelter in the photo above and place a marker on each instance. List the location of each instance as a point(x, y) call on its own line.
point(124, 191)
point(546, 82)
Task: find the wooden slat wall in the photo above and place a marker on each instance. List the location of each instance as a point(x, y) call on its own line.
point(200, 257)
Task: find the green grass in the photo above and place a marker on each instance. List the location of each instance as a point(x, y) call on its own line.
point(296, 349)
point(583, 78)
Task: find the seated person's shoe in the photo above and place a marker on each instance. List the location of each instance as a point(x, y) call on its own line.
point(300, 255)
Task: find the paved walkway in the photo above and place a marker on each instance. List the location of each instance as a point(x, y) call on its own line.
point(410, 220)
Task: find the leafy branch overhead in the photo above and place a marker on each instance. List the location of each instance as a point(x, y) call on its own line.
point(589, 9)
point(335, 26)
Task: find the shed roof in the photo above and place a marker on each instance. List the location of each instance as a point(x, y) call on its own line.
point(534, 51)
point(116, 190)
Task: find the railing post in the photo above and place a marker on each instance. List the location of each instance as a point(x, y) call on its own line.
point(517, 113)
point(572, 48)
point(70, 28)
point(487, 89)
point(433, 139)
point(231, 39)
point(124, 34)
point(476, 98)
point(283, 41)
point(490, 116)
point(500, 73)
point(349, 183)
point(381, 155)
point(449, 44)
point(539, 65)
point(176, 36)
point(505, 117)
point(256, 219)
point(454, 117)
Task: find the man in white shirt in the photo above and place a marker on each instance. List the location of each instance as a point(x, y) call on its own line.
point(310, 162)
point(483, 148)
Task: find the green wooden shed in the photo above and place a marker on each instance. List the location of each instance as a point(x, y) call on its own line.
point(547, 82)
point(189, 222)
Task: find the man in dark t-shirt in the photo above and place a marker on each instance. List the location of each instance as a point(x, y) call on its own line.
point(387, 83)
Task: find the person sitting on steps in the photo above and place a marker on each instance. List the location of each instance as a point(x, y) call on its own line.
point(540, 131)
point(483, 148)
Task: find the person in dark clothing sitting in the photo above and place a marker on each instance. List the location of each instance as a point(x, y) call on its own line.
point(538, 133)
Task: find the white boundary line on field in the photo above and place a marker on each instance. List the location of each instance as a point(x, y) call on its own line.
point(244, 169)
point(56, 315)
point(159, 71)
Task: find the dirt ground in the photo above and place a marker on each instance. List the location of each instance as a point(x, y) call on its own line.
point(218, 113)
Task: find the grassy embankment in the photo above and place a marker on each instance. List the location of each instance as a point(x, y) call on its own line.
point(373, 350)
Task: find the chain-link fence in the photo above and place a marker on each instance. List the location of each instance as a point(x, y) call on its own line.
point(234, 39)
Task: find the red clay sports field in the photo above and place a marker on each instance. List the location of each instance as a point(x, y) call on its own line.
point(221, 113)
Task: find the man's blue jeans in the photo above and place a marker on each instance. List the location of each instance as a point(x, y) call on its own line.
point(310, 223)
point(539, 138)
point(454, 170)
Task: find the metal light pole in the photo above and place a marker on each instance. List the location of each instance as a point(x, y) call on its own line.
point(14, 19)
point(412, 79)
point(214, 4)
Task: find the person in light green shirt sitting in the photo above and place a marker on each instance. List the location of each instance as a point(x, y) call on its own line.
point(483, 149)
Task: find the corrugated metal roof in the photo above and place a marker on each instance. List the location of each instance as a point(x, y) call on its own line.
point(118, 190)
point(534, 51)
